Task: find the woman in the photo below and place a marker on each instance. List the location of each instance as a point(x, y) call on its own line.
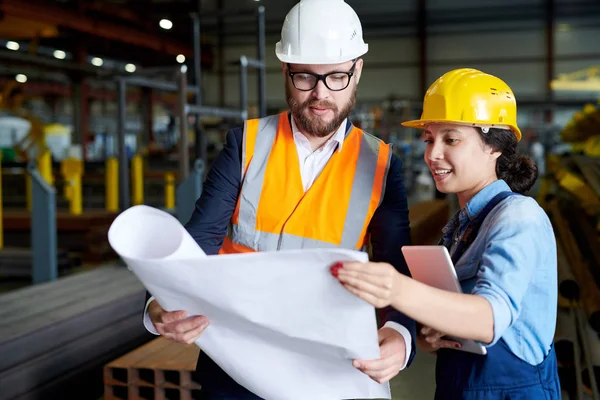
point(502, 245)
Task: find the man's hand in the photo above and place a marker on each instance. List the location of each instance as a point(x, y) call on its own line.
point(431, 340)
point(176, 325)
point(393, 353)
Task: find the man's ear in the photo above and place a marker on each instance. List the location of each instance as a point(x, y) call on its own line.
point(358, 69)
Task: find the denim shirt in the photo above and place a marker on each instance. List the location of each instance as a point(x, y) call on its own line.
point(512, 264)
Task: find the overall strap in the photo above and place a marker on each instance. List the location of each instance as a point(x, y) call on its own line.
point(473, 228)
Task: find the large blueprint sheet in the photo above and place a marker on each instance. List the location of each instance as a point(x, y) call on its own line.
point(280, 324)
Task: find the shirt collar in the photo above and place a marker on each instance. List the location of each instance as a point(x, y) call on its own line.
point(481, 199)
point(338, 137)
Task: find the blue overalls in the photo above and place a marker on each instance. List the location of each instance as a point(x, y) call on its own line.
point(500, 374)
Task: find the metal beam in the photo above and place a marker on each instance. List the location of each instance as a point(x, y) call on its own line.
point(214, 111)
point(165, 86)
point(42, 12)
point(53, 63)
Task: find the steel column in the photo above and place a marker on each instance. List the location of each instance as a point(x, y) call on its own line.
point(262, 72)
point(121, 149)
point(188, 192)
point(43, 228)
point(244, 86)
point(550, 17)
point(184, 158)
point(201, 150)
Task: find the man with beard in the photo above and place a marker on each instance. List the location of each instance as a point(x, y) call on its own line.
point(306, 178)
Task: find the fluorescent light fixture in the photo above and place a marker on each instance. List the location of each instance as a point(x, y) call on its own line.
point(21, 78)
point(12, 45)
point(130, 68)
point(180, 59)
point(61, 55)
point(97, 61)
point(165, 24)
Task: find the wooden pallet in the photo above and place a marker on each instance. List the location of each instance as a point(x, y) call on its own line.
point(159, 370)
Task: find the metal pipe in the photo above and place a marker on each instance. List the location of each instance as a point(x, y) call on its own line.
point(214, 111)
point(244, 86)
point(165, 86)
point(262, 72)
point(254, 63)
point(121, 150)
point(184, 160)
point(150, 83)
point(242, 14)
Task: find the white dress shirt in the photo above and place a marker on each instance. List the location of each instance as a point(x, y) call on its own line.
point(312, 163)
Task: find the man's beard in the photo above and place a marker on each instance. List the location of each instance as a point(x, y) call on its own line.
point(313, 124)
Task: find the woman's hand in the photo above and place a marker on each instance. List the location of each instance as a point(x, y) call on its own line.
point(430, 340)
point(376, 283)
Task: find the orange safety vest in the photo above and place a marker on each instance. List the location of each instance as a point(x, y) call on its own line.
point(274, 213)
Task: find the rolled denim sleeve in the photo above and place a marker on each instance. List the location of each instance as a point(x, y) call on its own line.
point(518, 235)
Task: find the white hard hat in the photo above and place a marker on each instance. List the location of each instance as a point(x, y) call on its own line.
point(321, 32)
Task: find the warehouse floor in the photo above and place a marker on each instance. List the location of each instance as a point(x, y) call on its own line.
point(416, 382)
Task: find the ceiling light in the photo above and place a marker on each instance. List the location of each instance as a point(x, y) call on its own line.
point(130, 68)
point(180, 59)
point(165, 24)
point(12, 45)
point(21, 78)
point(97, 61)
point(61, 55)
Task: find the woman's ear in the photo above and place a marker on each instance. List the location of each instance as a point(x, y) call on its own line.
point(494, 154)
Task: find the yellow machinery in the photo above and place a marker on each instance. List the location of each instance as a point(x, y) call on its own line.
point(33, 144)
point(72, 170)
point(112, 184)
point(169, 191)
point(137, 180)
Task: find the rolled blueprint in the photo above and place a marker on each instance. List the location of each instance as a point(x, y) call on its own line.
point(280, 324)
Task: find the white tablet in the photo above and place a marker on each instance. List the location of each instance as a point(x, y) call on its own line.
point(433, 266)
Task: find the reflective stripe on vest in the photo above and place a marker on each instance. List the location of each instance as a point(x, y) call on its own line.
point(273, 211)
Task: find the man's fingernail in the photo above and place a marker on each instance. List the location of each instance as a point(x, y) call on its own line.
point(356, 364)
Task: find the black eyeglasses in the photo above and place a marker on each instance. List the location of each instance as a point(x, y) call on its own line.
point(334, 81)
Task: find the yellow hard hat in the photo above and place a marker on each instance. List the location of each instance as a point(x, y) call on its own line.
point(467, 96)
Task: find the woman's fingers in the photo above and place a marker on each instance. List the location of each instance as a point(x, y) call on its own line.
point(366, 296)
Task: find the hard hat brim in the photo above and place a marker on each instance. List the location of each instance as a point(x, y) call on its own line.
point(299, 59)
point(422, 123)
